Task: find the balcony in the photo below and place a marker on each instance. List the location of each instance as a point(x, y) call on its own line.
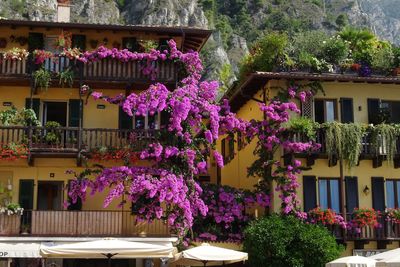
point(104, 70)
point(80, 223)
point(72, 141)
point(376, 153)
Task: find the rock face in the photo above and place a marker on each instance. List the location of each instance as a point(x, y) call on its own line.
point(165, 12)
point(95, 11)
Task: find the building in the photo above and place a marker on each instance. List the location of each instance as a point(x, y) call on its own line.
point(328, 183)
point(37, 179)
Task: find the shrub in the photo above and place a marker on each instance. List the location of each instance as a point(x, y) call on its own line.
point(336, 50)
point(286, 241)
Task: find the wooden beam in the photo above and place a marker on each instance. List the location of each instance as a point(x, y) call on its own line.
point(377, 162)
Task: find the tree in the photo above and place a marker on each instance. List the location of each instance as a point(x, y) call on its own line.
point(287, 241)
point(342, 21)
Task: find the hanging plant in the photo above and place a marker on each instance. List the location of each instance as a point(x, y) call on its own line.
point(303, 126)
point(66, 77)
point(42, 79)
point(384, 140)
point(345, 141)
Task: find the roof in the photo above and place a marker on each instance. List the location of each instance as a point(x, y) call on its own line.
point(239, 95)
point(194, 38)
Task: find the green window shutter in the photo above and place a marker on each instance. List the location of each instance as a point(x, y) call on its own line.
point(378, 193)
point(346, 110)
point(309, 192)
point(130, 43)
point(351, 193)
point(373, 110)
point(124, 120)
point(35, 105)
point(74, 112)
point(25, 198)
point(79, 41)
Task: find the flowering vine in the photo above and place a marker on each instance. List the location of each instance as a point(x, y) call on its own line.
point(273, 134)
point(166, 188)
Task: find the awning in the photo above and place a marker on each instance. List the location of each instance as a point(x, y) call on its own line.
point(20, 250)
point(103, 248)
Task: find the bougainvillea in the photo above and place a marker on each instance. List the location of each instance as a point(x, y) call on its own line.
point(272, 134)
point(166, 188)
point(229, 212)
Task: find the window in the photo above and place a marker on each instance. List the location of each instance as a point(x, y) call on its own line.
point(346, 110)
point(228, 149)
point(392, 193)
point(130, 43)
point(391, 109)
point(329, 193)
point(325, 110)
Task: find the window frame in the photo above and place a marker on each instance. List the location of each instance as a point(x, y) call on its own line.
point(396, 183)
point(335, 107)
point(328, 187)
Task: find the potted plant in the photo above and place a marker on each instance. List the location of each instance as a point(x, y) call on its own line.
point(382, 60)
point(64, 40)
point(363, 217)
point(25, 229)
point(393, 215)
point(42, 79)
point(53, 135)
point(66, 77)
point(396, 61)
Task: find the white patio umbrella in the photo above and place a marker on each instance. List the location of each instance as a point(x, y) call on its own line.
point(389, 258)
point(108, 248)
point(352, 261)
point(206, 255)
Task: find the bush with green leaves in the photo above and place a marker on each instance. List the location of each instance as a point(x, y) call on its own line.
point(336, 50)
point(383, 58)
point(286, 241)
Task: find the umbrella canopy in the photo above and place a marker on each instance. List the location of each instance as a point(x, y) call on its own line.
point(352, 261)
point(108, 248)
point(206, 255)
point(389, 258)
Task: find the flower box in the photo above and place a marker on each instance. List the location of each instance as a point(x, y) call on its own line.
point(10, 224)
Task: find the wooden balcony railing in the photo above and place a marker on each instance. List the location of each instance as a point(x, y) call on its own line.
point(74, 139)
point(387, 230)
point(107, 69)
point(85, 223)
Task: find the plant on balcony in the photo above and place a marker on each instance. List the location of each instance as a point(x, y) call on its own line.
point(16, 54)
point(336, 50)
point(148, 45)
point(42, 79)
point(66, 77)
point(40, 56)
point(303, 126)
point(392, 215)
point(229, 212)
point(23, 117)
point(72, 53)
point(53, 134)
point(382, 59)
point(108, 153)
point(13, 151)
point(12, 209)
point(344, 141)
point(363, 217)
point(384, 140)
point(326, 217)
point(64, 40)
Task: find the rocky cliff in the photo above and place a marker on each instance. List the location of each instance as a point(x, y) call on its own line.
point(236, 22)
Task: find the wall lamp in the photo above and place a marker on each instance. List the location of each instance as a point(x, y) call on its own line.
point(366, 190)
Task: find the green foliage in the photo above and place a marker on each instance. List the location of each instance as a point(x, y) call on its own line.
point(222, 24)
point(383, 58)
point(396, 56)
point(42, 79)
point(66, 77)
point(53, 135)
point(362, 43)
point(225, 76)
point(344, 140)
point(311, 42)
point(384, 140)
point(303, 125)
point(282, 241)
point(23, 117)
point(342, 20)
point(266, 53)
point(336, 50)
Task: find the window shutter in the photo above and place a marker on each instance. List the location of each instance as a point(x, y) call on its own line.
point(309, 192)
point(124, 120)
point(130, 43)
point(35, 105)
point(35, 41)
point(378, 193)
point(223, 147)
point(346, 110)
point(373, 110)
point(74, 112)
point(319, 111)
point(351, 193)
point(307, 107)
point(26, 193)
point(79, 41)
